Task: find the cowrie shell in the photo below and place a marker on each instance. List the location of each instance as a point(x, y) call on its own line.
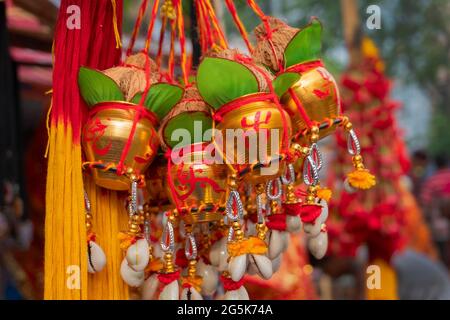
point(138, 255)
point(190, 294)
point(96, 257)
point(170, 291)
point(318, 245)
point(237, 267)
point(131, 277)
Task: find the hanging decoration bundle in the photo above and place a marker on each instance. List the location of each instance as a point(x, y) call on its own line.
point(211, 159)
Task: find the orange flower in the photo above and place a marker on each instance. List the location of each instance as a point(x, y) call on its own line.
point(361, 179)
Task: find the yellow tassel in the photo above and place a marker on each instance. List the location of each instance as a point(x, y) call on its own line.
point(324, 193)
point(388, 282)
point(195, 282)
point(109, 217)
point(65, 258)
point(252, 245)
point(361, 179)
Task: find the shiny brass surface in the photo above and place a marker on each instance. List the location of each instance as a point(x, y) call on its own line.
point(198, 185)
point(105, 135)
point(318, 92)
point(255, 120)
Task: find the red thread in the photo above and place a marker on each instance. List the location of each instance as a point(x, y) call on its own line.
point(229, 284)
point(310, 212)
point(277, 222)
point(167, 278)
point(292, 209)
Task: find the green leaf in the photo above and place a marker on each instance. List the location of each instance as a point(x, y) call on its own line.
point(284, 81)
point(221, 80)
point(305, 45)
point(161, 97)
point(195, 122)
point(96, 87)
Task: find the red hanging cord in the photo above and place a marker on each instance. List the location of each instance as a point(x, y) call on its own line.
point(238, 22)
point(258, 11)
point(171, 64)
point(208, 32)
point(215, 22)
point(201, 26)
point(137, 26)
point(182, 38)
point(161, 41)
point(151, 25)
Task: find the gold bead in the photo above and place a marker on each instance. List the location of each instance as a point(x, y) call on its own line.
point(315, 130)
point(358, 158)
point(360, 166)
point(348, 126)
point(305, 151)
point(314, 137)
point(236, 225)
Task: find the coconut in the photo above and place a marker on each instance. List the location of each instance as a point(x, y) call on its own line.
point(130, 77)
point(282, 34)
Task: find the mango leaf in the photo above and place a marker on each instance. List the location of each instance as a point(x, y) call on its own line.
point(196, 123)
point(284, 81)
point(221, 80)
point(305, 45)
point(161, 97)
point(96, 87)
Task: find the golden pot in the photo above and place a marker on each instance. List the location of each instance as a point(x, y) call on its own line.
point(105, 136)
point(318, 93)
point(197, 184)
point(254, 117)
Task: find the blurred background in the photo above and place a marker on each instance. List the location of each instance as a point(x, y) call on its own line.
point(413, 41)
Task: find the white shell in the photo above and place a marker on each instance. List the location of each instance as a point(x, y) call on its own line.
point(262, 264)
point(150, 287)
point(170, 291)
point(96, 257)
point(239, 294)
point(293, 224)
point(218, 254)
point(313, 230)
point(276, 263)
point(276, 243)
point(318, 245)
point(232, 295)
point(131, 277)
point(194, 295)
point(138, 255)
point(348, 187)
point(210, 278)
point(237, 267)
point(243, 294)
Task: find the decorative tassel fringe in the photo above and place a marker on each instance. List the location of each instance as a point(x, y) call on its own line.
point(324, 193)
point(252, 245)
point(65, 257)
point(361, 179)
point(109, 217)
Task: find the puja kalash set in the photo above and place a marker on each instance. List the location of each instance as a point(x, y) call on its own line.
point(166, 217)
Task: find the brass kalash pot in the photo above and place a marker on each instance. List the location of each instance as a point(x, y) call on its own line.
point(122, 135)
point(318, 94)
point(253, 114)
point(199, 184)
